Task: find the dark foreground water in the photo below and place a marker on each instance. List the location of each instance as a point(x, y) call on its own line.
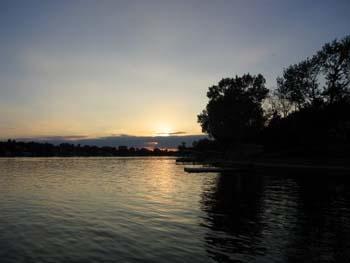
point(149, 210)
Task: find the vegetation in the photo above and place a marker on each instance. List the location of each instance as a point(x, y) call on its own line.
point(300, 83)
point(307, 114)
point(234, 111)
point(11, 148)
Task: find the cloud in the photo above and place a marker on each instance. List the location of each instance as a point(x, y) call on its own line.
point(171, 133)
point(55, 138)
point(151, 143)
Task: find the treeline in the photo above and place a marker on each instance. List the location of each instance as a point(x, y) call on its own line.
point(308, 113)
point(12, 148)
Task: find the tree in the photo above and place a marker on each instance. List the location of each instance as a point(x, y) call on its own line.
point(182, 147)
point(277, 104)
point(299, 83)
point(234, 112)
point(334, 60)
point(331, 65)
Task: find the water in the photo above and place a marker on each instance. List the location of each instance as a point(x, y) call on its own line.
point(149, 210)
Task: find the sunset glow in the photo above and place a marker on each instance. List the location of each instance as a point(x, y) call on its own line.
point(174, 131)
point(163, 129)
point(84, 68)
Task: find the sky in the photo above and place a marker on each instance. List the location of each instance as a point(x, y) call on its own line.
point(102, 69)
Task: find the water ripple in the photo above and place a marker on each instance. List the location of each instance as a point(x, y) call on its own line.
point(149, 210)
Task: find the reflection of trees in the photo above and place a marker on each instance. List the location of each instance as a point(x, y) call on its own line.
point(254, 217)
point(322, 231)
point(233, 216)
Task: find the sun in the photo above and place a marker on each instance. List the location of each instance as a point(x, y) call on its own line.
point(163, 129)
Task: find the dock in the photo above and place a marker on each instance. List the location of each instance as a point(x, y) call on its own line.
point(183, 160)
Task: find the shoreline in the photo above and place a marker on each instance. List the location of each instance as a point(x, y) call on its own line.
point(286, 165)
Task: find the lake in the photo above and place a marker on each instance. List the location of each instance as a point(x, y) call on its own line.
point(150, 210)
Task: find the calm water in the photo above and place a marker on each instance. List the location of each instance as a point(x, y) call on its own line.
point(149, 210)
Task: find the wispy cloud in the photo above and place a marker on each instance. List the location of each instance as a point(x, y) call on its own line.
point(55, 138)
point(171, 133)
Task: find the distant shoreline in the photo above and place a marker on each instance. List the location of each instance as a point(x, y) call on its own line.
point(12, 148)
point(59, 157)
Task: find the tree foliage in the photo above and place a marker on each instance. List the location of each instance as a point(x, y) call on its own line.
point(12, 148)
point(307, 114)
point(318, 87)
point(334, 60)
point(234, 111)
point(300, 83)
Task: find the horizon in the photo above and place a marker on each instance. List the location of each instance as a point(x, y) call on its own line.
point(149, 142)
point(174, 130)
point(97, 70)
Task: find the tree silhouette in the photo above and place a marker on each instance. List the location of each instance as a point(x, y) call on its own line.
point(300, 83)
point(234, 111)
point(11, 148)
point(334, 59)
